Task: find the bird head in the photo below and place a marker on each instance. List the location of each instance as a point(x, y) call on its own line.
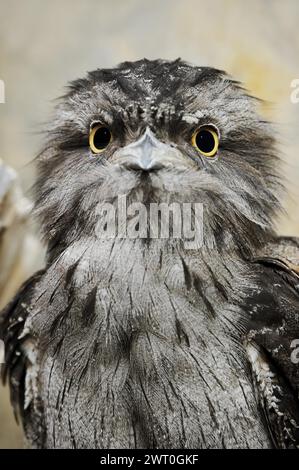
point(159, 131)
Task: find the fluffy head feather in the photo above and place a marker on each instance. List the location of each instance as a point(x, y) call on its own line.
point(238, 189)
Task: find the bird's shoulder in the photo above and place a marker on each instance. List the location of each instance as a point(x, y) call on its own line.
point(19, 368)
point(281, 252)
point(272, 339)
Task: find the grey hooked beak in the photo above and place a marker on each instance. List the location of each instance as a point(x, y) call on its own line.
point(146, 154)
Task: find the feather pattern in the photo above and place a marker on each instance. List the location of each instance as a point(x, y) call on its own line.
point(142, 343)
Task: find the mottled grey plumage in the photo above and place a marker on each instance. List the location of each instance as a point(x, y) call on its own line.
point(142, 343)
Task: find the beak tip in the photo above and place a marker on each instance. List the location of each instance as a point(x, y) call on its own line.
point(144, 165)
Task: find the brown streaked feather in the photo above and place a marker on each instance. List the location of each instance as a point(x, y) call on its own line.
point(268, 346)
point(12, 321)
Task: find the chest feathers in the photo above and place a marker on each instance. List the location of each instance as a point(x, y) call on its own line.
point(145, 348)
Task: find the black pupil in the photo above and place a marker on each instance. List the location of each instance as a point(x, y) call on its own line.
point(205, 141)
point(101, 138)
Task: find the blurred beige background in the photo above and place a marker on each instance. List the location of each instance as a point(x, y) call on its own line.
point(45, 43)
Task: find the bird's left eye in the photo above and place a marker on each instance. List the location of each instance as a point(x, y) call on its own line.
point(99, 138)
point(206, 141)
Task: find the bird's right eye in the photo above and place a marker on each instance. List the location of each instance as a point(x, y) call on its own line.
point(99, 138)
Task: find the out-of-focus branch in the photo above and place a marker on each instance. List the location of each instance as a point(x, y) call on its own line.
point(21, 252)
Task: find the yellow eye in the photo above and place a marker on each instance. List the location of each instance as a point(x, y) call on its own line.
point(99, 138)
point(206, 141)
